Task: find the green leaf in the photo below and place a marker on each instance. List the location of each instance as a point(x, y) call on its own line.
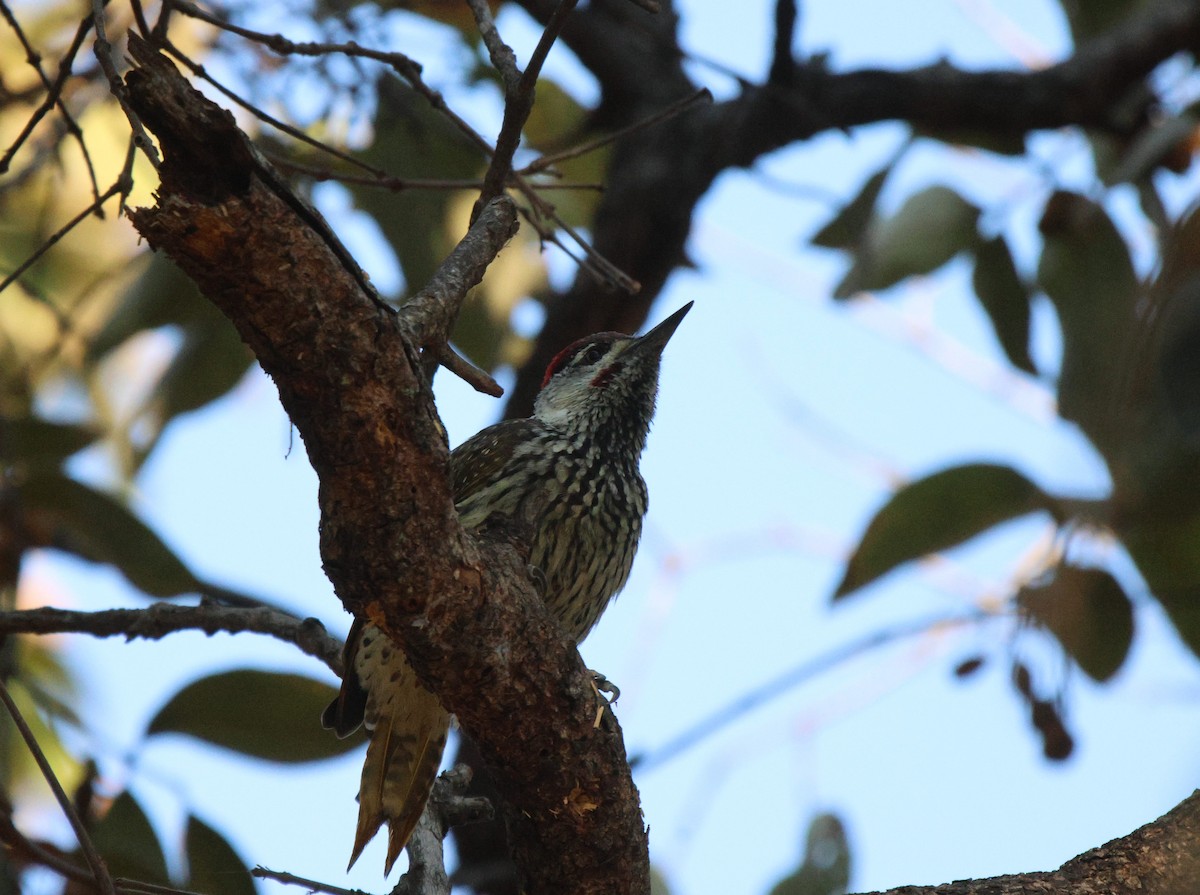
point(938, 512)
point(68, 515)
point(1165, 143)
point(33, 439)
point(658, 882)
point(263, 714)
point(825, 869)
point(1167, 553)
point(930, 228)
point(1086, 272)
point(558, 122)
point(213, 865)
point(163, 295)
point(1089, 614)
point(1002, 143)
point(126, 841)
point(846, 229)
point(211, 360)
point(1005, 299)
point(1088, 18)
point(413, 140)
point(44, 712)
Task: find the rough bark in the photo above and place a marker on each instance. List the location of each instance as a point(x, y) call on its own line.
point(1160, 858)
point(658, 176)
point(349, 375)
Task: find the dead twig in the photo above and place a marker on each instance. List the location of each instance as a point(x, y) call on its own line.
point(95, 863)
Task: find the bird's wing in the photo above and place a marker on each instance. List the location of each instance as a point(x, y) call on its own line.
point(480, 458)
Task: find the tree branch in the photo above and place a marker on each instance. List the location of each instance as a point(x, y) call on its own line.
point(351, 380)
point(99, 869)
point(657, 178)
point(1160, 858)
point(161, 619)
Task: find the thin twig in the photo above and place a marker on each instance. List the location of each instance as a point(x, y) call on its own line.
point(90, 855)
point(605, 272)
point(39, 853)
point(138, 887)
point(379, 179)
point(447, 807)
point(53, 93)
point(120, 187)
point(104, 55)
point(410, 71)
point(290, 879)
point(160, 619)
point(793, 677)
point(430, 314)
point(478, 379)
point(538, 165)
point(277, 43)
point(553, 29)
point(783, 62)
point(406, 68)
point(518, 103)
point(139, 16)
point(501, 54)
point(295, 133)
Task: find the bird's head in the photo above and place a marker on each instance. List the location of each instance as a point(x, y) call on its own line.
point(606, 382)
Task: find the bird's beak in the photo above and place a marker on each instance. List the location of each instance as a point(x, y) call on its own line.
point(654, 341)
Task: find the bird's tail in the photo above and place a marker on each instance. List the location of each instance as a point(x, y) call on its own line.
point(407, 729)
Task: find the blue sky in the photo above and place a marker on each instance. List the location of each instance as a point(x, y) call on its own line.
point(784, 421)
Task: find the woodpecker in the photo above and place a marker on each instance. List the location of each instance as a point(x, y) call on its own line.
point(573, 468)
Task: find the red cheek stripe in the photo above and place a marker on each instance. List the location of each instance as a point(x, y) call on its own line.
point(601, 379)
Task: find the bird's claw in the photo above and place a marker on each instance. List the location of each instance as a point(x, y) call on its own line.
point(538, 577)
point(602, 685)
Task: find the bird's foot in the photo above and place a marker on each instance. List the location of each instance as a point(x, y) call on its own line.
point(602, 686)
point(538, 577)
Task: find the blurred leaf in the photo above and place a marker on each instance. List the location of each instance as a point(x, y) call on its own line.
point(556, 120)
point(1088, 18)
point(33, 439)
point(1007, 143)
point(213, 865)
point(930, 228)
point(556, 123)
point(1165, 144)
point(968, 667)
point(163, 295)
point(1057, 742)
point(126, 841)
point(658, 882)
point(449, 12)
point(825, 869)
point(211, 360)
point(20, 774)
point(65, 514)
point(1089, 614)
point(1086, 271)
point(413, 140)
point(1005, 299)
point(846, 229)
point(1022, 680)
point(263, 714)
point(938, 512)
point(1167, 554)
point(483, 331)
point(1176, 295)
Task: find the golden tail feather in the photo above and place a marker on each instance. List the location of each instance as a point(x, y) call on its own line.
point(408, 729)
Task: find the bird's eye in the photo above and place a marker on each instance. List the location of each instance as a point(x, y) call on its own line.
point(593, 355)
